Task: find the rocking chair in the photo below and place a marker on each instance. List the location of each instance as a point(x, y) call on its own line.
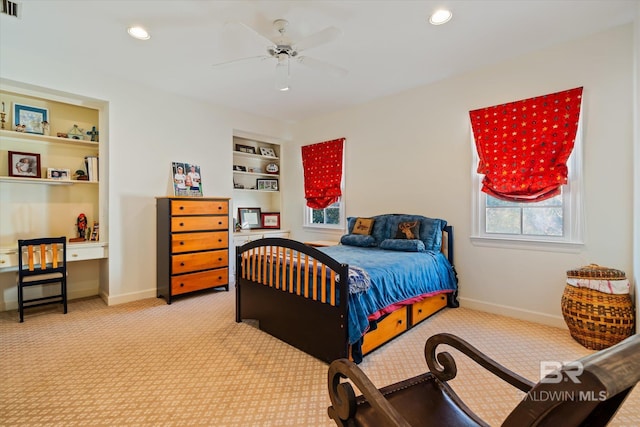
point(586, 392)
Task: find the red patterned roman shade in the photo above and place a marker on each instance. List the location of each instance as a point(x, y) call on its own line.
point(322, 164)
point(524, 146)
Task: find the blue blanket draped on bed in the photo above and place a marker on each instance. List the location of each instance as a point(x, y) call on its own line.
point(395, 276)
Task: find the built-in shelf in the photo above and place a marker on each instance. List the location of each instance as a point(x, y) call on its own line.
point(33, 137)
point(46, 181)
point(257, 173)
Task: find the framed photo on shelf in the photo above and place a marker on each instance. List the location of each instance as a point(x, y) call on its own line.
point(33, 118)
point(239, 168)
point(25, 165)
point(250, 218)
point(267, 184)
point(271, 220)
point(61, 174)
point(245, 149)
point(267, 152)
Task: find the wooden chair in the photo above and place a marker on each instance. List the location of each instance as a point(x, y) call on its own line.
point(42, 262)
point(585, 392)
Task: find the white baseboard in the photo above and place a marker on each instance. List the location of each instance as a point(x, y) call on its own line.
point(130, 297)
point(517, 313)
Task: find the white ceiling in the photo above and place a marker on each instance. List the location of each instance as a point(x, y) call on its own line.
point(387, 46)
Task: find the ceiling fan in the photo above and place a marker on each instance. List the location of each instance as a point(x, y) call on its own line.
point(283, 50)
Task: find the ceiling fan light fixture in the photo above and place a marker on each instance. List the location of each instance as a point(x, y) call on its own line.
point(138, 33)
point(440, 16)
point(282, 73)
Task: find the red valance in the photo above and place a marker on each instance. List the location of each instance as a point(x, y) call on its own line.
point(322, 165)
point(524, 146)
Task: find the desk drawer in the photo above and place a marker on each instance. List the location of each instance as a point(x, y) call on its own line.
point(84, 253)
point(199, 261)
point(196, 281)
point(196, 223)
point(199, 207)
point(191, 242)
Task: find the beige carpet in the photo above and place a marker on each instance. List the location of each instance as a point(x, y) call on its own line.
point(189, 363)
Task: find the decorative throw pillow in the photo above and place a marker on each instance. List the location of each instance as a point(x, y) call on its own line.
point(357, 240)
point(363, 226)
point(409, 230)
point(403, 245)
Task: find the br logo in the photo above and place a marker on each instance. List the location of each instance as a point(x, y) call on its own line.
point(550, 371)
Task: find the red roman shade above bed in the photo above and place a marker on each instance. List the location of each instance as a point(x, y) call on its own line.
point(523, 146)
point(322, 165)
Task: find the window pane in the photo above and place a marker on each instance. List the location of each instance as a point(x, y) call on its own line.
point(317, 216)
point(503, 220)
point(542, 221)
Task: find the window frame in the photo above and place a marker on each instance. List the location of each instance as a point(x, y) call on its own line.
point(572, 206)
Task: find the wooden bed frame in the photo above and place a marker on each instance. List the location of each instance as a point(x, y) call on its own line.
point(317, 326)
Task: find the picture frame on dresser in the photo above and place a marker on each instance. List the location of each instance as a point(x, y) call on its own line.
point(33, 118)
point(24, 165)
point(250, 218)
point(270, 220)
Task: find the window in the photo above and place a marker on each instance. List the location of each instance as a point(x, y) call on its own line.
point(555, 221)
point(331, 217)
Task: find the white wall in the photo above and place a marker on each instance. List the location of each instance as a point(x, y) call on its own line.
point(411, 153)
point(148, 129)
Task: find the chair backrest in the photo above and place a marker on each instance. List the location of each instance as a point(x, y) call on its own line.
point(42, 256)
point(585, 392)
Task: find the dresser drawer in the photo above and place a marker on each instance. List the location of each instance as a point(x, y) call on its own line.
point(199, 261)
point(190, 242)
point(195, 223)
point(199, 207)
point(196, 281)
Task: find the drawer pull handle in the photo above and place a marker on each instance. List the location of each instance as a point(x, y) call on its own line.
point(181, 208)
point(399, 322)
point(181, 285)
point(2, 261)
point(419, 310)
point(182, 224)
point(219, 259)
point(182, 264)
point(219, 222)
point(219, 240)
point(181, 243)
point(219, 207)
point(74, 255)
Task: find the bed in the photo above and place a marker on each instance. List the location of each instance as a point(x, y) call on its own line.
point(396, 277)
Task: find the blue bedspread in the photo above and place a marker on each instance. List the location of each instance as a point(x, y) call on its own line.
point(394, 277)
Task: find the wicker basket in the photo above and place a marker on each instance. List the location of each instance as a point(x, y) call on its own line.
point(597, 320)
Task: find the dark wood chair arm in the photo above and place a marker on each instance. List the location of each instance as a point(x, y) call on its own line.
point(443, 366)
point(343, 398)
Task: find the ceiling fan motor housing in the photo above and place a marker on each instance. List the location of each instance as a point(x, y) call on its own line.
point(277, 50)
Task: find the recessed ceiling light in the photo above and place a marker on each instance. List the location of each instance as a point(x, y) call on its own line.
point(440, 17)
point(138, 33)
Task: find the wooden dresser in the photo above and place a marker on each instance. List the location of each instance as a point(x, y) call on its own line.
point(192, 245)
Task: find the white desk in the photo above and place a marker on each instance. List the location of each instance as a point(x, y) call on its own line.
point(75, 252)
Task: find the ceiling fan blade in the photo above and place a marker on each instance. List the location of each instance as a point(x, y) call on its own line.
point(322, 66)
point(234, 61)
point(319, 38)
point(261, 37)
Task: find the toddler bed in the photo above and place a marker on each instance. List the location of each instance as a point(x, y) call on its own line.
point(399, 271)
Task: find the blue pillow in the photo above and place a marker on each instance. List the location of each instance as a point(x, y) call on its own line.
point(403, 245)
point(358, 240)
point(430, 229)
point(379, 227)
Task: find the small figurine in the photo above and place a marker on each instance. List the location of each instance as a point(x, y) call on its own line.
point(93, 133)
point(81, 224)
point(21, 128)
point(46, 128)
